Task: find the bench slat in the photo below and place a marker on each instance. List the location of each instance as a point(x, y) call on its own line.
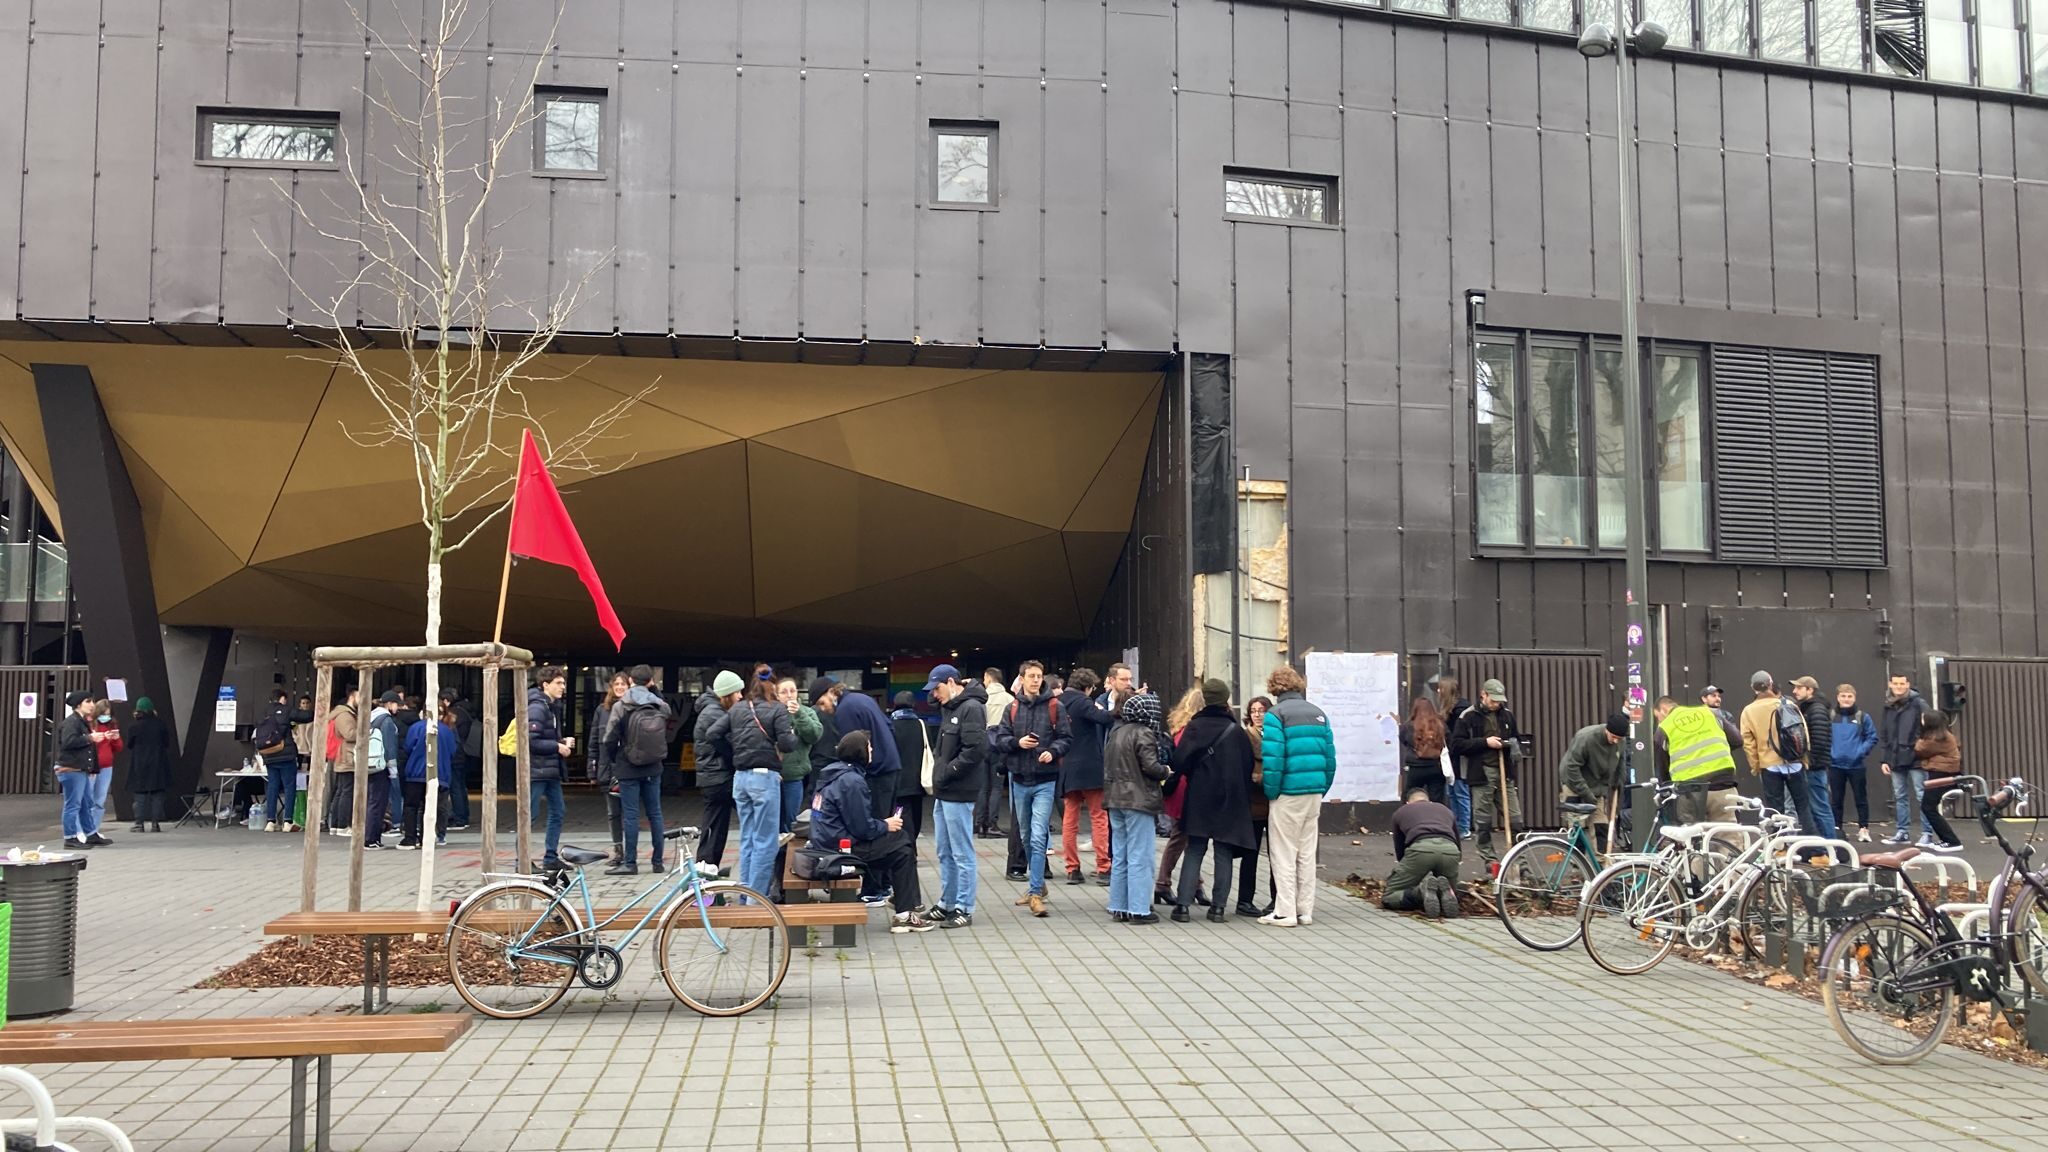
point(433, 923)
point(228, 1038)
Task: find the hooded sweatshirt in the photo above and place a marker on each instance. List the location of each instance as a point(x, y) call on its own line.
point(1852, 736)
point(842, 811)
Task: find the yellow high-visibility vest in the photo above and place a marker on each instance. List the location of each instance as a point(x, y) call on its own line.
point(1699, 747)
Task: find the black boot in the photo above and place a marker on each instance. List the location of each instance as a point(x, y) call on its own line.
point(155, 827)
point(137, 828)
point(1180, 914)
point(622, 868)
point(1216, 915)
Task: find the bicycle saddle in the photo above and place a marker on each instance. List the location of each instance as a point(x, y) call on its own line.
point(570, 854)
point(1576, 807)
point(1890, 860)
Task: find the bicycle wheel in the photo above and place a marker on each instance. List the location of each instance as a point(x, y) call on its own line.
point(1537, 891)
point(733, 965)
point(480, 939)
point(2029, 928)
point(1879, 997)
point(1768, 907)
point(1632, 916)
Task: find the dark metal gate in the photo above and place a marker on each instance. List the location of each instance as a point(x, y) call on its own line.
point(25, 756)
point(1997, 742)
point(1553, 695)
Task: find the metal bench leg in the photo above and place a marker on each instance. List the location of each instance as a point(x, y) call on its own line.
point(369, 972)
point(299, 1102)
point(383, 973)
point(322, 1106)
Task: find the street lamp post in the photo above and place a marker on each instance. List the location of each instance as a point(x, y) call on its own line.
point(1639, 643)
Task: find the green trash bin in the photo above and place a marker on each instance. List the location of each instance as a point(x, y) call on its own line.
point(41, 949)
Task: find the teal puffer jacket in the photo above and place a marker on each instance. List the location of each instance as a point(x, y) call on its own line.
point(1300, 754)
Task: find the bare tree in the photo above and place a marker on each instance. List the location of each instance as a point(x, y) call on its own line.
point(444, 384)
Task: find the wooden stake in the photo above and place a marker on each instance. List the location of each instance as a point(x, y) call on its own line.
point(505, 580)
point(522, 805)
point(492, 730)
point(359, 814)
point(316, 793)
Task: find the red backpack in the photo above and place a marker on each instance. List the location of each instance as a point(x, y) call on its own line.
point(1053, 703)
point(333, 743)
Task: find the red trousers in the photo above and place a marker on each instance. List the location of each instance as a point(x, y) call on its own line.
point(1098, 829)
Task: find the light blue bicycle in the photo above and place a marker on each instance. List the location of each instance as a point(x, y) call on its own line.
point(515, 944)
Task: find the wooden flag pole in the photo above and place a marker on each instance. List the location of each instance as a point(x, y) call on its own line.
point(505, 580)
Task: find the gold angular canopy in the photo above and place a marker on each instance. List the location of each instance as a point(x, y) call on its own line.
point(748, 507)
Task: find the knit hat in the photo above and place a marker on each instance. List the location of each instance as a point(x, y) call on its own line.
point(1215, 692)
point(727, 683)
point(144, 704)
point(74, 699)
point(820, 686)
point(391, 696)
point(1142, 709)
point(1617, 723)
point(904, 700)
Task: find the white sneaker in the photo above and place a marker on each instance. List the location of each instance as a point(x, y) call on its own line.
point(1273, 920)
point(270, 826)
point(1938, 846)
point(1863, 835)
point(1305, 921)
point(290, 827)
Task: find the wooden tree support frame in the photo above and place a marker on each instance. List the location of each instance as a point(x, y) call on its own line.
point(493, 659)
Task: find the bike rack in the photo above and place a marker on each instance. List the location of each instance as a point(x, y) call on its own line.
point(1970, 919)
point(1799, 847)
point(43, 1129)
point(1941, 866)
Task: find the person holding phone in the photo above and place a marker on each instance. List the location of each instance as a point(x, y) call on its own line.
point(843, 813)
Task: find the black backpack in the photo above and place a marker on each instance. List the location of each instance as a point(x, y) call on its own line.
point(1790, 733)
point(646, 735)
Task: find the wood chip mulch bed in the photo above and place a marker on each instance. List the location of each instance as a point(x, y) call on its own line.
point(1978, 1028)
point(332, 962)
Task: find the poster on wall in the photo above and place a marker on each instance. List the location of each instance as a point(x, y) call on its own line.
point(26, 707)
point(1360, 692)
point(224, 709)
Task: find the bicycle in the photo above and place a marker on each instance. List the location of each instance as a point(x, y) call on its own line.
point(515, 944)
point(1892, 973)
point(1690, 895)
point(1537, 888)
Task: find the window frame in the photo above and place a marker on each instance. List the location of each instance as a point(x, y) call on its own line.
point(209, 114)
point(990, 130)
point(1333, 215)
point(546, 94)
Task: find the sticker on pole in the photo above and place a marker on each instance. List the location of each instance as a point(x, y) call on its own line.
point(1635, 635)
point(1637, 696)
point(29, 704)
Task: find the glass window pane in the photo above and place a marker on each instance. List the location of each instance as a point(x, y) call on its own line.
point(1948, 42)
point(1676, 459)
point(1610, 501)
point(2037, 28)
point(963, 167)
point(1494, 10)
point(1499, 499)
point(1554, 14)
point(282, 142)
point(572, 134)
point(1558, 485)
point(1433, 7)
point(1781, 29)
point(1276, 200)
point(1674, 15)
point(1838, 34)
point(1724, 26)
point(2000, 49)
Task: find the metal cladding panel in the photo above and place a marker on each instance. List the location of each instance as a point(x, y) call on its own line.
point(259, 218)
point(1567, 225)
point(1203, 237)
point(14, 88)
point(1315, 56)
point(770, 101)
point(1794, 245)
point(122, 219)
point(186, 282)
point(834, 149)
point(895, 145)
point(1316, 320)
point(949, 250)
point(1258, 58)
point(56, 174)
point(1517, 248)
point(1563, 78)
point(835, 35)
point(519, 210)
point(1076, 39)
point(949, 38)
point(1750, 269)
point(1560, 603)
point(1261, 379)
point(1012, 237)
point(1369, 65)
point(1139, 297)
point(1419, 63)
point(1470, 175)
point(1659, 237)
point(1835, 239)
point(1517, 605)
point(1373, 468)
point(708, 31)
point(645, 111)
point(1013, 40)
point(1074, 191)
point(1553, 695)
point(706, 125)
point(772, 32)
point(1512, 82)
point(1465, 57)
point(325, 222)
point(1999, 689)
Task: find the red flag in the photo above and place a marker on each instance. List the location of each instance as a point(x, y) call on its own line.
point(542, 530)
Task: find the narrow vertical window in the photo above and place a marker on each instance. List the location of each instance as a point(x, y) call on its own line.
point(1610, 495)
point(1948, 41)
point(569, 134)
point(1555, 15)
point(1724, 26)
point(1558, 486)
point(1678, 455)
point(1494, 450)
point(1781, 29)
point(2001, 50)
point(963, 164)
point(1838, 33)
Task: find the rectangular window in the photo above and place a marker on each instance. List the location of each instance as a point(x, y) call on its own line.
point(1288, 197)
point(1948, 41)
point(1781, 29)
point(1493, 11)
point(2001, 47)
point(1494, 449)
point(1674, 15)
point(1724, 26)
point(1838, 33)
point(569, 135)
point(1557, 485)
point(1555, 15)
point(963, 164)
point(268, 139)
point(1677, 455)
point(1609, 454)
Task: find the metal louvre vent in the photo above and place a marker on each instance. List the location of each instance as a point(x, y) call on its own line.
point(1797, 474)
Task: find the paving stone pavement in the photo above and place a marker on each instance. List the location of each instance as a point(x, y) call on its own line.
point(1365, 1031)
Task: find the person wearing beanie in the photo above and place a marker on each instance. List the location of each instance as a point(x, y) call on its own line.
point(1213, 763)
point(713, 736)
point(1591, 769)
point(151, 753)
point(387, 756)
point(1132, 773)
point(77, 761)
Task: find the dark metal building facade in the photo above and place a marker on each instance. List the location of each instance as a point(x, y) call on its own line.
point(767, 176)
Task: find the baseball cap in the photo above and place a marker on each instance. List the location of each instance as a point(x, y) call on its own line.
point(1495, 689)
point(1760, 679)
point(1808, 683)
point(1711, 690)
point(940, 674)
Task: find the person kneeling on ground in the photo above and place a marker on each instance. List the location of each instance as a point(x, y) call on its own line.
point(841, 812)
point(1425, 859)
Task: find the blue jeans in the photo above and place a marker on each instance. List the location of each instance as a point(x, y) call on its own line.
point(953, 828)
point(394, 800)
point(280, 792)
point(1031, 807)
point(1132, 865)
point(792, 801)
point(96, 809)
point(77, 789)
point(549, 793)
point(458, 790)
point(1822, 809)
point(758, 798)
point(637, 797)
point(1461, 807)
point(1908, 786)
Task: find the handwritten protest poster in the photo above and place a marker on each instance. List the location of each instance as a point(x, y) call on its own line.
point(1360, 692)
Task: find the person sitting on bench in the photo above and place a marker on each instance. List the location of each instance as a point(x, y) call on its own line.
point(1426, 859)
point(841, 813)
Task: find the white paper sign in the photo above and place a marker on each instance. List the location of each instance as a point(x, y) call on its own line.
point(1360, 692)
point(26, 708)
point(117, 690)
point(224, 710)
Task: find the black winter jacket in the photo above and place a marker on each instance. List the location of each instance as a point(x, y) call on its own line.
point(1468, 744)
point(843, 810)
point(1090, 723)
point(826, 751)
point(1032, 716)
point(1132, 770)
point(760, 732)
point(1898, 728)
point(1218, 783)
point(75, 748)
point(909, 730)
point(959, 761)
point(152, 753)
point(1820, 733)
point(543, 737)
point(714, 747)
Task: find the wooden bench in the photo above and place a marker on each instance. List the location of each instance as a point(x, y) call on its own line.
point(838, 893)
point(303, 1040)
point(378, 928)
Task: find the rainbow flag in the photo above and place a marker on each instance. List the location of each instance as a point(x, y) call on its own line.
point(908, 674)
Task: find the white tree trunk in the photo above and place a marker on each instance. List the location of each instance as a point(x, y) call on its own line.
point(431, 712)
